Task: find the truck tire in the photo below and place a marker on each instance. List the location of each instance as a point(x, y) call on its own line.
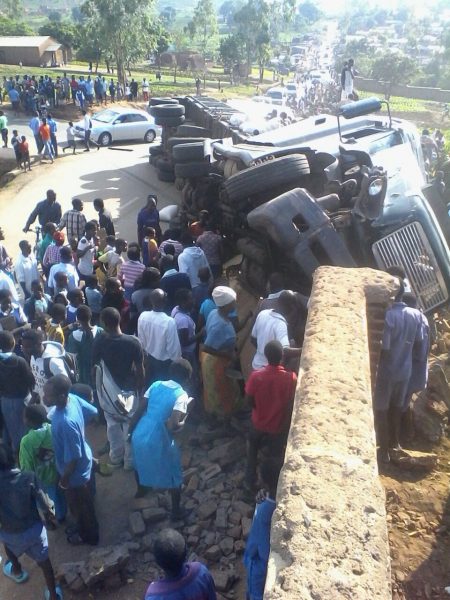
point(166, 176)
point(162, 164)
point(277, 173)
point(192, 152)
point(178, 141)
point(192, 169)
point(169, 121)
point(156, 150)
point(193, 131)
point(167, 110)
point(160, 101)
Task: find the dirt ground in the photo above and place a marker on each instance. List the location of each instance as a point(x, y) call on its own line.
point(418, 509)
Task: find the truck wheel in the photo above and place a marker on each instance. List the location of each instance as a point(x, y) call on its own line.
point(166, 176)
point(169, 121)
point(167, 110)
point(160, 101)
point(192, 169)
point(283, 172)
point(193, 131)
point(162, 164)
point(156, 150)
point(179, 141)
point(192, 152)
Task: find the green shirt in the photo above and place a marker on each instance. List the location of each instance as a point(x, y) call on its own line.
point(3, 122)
point(36, 454)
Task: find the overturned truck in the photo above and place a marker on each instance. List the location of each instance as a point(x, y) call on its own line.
point(348, 191)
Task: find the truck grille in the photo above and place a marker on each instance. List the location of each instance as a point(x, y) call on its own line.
point(409, 248)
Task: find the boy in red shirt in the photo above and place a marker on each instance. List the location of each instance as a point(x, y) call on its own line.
point(44, 131)
point(24, 154)
point(270, 391)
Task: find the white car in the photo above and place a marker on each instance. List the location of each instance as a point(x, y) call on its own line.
point(119, 124)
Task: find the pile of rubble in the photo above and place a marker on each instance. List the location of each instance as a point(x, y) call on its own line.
point(215, 528)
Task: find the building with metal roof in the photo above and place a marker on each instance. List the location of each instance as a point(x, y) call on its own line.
point(30, 50)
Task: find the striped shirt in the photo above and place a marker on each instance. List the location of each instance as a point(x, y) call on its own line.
point(130, 271)
point(75, 223)
point(52, 255)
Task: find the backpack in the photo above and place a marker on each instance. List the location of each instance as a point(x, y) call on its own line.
point(70, 364)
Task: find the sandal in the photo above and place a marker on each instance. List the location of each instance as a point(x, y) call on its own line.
point(8, 572)
point(104, 469)
point(58, 593)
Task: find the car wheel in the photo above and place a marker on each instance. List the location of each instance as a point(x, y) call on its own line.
point(281, 174)
point(105, 139)
point(192, 169)
point(150, 136)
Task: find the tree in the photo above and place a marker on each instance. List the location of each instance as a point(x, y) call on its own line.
point(54, 15)
point(167, 15)
point(12, 27)
point(13, 9)
point(77, 15)
point(123, 28)
point(203, 26)
point(393, 68)
point(253, 23)
point(231, 50)
point(309, 11)
point(63, 32)
point(227, 10)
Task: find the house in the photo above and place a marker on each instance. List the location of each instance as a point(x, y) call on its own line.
point(30, 50)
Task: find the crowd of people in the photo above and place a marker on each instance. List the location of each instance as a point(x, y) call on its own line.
point(141, 336)
point(32, 93)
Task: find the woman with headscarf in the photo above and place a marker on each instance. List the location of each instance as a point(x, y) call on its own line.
point(221, 394)
point(149, 217)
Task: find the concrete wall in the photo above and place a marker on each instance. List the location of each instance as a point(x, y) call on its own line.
point(406, 91)
point(329, 537)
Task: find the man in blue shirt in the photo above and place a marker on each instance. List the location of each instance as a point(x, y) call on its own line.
point(73, 456)
point(403, 340)
point(34, 125)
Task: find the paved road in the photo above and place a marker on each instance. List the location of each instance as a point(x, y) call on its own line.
point(120, 175)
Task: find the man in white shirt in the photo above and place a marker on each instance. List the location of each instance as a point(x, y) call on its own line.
point(271, 325)
point(86, 250)
point(65, 266)
point(26, 268)
point(158, 335)
point(87, 126)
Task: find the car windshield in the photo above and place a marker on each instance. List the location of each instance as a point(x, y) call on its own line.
point(274, 94)
point(105, 116)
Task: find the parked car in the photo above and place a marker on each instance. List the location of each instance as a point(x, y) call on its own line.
point(120, 124)
point(278, 95)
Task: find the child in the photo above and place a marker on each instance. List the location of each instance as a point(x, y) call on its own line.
point(24, 153)
point(15, 141)
point(61, 285)
point(38, 303)
point(54, 327)
point(182, 579)
point(36, 455)
point(149, 247)
point(113, 258)
point(202, 290)
point(21, 529)
point(76, 299)
point(10, 309)
point(130, 270)
point(70, 131)
point(93, 297)
point(257, 550)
